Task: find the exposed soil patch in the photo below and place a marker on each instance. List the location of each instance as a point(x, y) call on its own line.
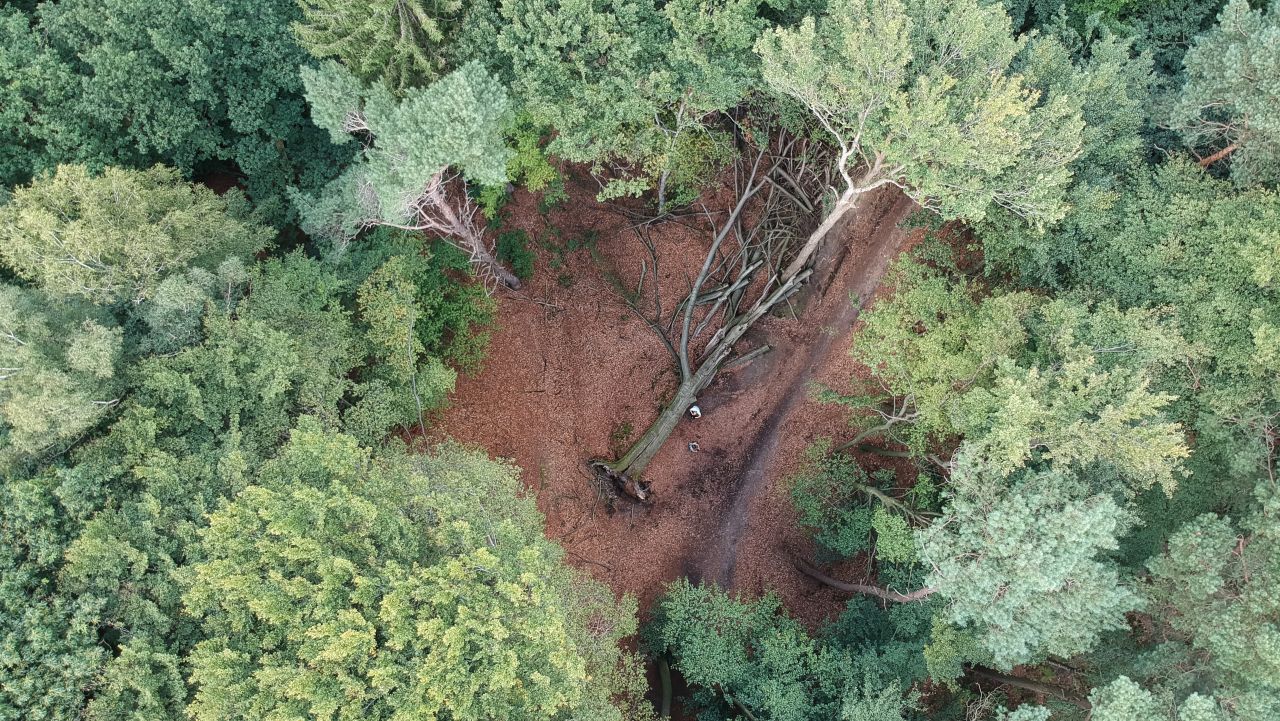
point(573, 375)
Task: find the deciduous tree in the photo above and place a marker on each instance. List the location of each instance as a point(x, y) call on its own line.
point(114, 237)
point(919, 94)
point(351, 587)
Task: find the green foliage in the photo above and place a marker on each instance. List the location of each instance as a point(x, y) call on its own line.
point(513, 249)
point(826, 495)
point(1231, 97)
point(344, 586)
point(120, 82)
point(1214, 594)
point(1183, 242)
point(456, 122)
point(631, 88)
point(922, 92)
point(453, 315)
point(115, 237)
point(1026, 380)
point(753, 654)
point(530, 166)
point(1024, 564)
point(400, 43)
point(59, 372)
point(100, 543)
point(894, 540)
point(388, 303)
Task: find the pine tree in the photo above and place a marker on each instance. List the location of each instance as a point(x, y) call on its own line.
point(1229, 106)
point(399, 43)
point(408, 177)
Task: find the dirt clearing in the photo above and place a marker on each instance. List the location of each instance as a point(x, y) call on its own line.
point(572, 375)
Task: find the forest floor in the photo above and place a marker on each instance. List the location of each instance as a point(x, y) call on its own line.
point(573, 375)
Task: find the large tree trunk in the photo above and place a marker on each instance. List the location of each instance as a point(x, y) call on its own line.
point(634, 461)
point(881, 593)
point(845, 204)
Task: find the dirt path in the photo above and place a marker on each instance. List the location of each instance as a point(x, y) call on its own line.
point(849, 270)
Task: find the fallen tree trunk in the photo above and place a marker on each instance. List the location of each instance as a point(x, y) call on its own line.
point(881, 593)
point(1033, 686)
point(720, 289)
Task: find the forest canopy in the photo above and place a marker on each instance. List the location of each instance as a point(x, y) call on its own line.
point(251, 252)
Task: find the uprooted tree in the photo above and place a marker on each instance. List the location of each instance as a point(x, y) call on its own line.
point(418, 153)
point(917, 94)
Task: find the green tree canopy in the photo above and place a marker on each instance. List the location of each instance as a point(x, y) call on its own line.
point(347, 587)
point(100, 540)
point(405, 177)
point(1022, 562)
point(752, 656)
point(920, 94)
point(119, 82)
point(397, 42)
point(633, 88)
point(60, 372)
point(1214, 596)
point(1021, 378)
point(1230, 102)
point(114, 237)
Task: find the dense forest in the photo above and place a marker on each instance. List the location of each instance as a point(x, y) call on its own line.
point(249, 251)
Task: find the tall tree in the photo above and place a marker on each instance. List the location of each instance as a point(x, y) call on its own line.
point(114, 237)
point(349, 587)
point(117, 82)
point(1229, 105)
point(395, 42)
point(412, 176)
point(1023, 562)
point(100, 543)
point(756, 661)
point(60, 372)
point(919, 94)
point(634, 88)
point(1024, 379)
point(1214, 602)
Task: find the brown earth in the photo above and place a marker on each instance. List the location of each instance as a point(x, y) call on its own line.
point(573, 375)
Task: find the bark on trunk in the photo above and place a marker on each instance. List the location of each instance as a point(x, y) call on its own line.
point(887, 595)
point(1029, 685)
point(634, 461)
point(1210, 160)
point(484, 257)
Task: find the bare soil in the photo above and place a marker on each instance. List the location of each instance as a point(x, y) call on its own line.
point(573, 375)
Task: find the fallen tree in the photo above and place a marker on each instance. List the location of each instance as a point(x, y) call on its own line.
point(868, 78)
point(741, 280)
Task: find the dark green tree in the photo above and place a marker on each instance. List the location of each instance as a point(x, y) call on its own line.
point(1229, 106)
point(116, 82)
point(396, 42)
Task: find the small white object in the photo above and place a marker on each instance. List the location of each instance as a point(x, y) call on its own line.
point(693, 446)
point(695, 411)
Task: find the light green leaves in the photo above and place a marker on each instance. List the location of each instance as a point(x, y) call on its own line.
point(114, 237)
point(1023, 564)
point(346, 587)
point(920, 94)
